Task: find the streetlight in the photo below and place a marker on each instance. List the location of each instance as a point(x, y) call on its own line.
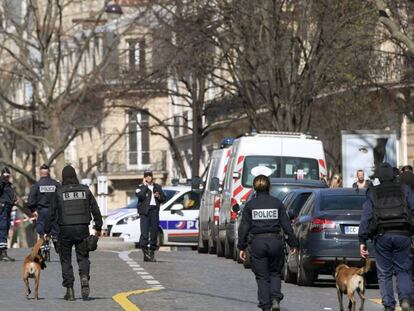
point(113, 10)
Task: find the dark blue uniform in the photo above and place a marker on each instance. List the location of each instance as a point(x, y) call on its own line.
point(263, 219)
point(392, 253)
point(7, 200)
point(39, 200)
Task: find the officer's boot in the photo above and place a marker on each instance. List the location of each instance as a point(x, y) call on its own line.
point(152, 256)
point(405, 305)
point(6, 257)
point(146, 254)
point(275, 304)
point(70, 294)
point(84, 286)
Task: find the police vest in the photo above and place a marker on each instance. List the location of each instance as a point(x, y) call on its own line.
point(73, 207)
point(390, 208)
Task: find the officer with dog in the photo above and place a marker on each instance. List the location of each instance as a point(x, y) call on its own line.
point(7, 201)
point(72, 206)
point(263, 219)
point(39, 202)
point(387, 218)
point(150, 196)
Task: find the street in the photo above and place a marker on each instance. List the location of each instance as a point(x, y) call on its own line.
point(180, 280)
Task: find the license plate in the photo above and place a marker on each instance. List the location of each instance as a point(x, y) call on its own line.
point(351, 229)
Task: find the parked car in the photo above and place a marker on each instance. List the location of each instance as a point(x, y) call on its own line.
point(178, 220)
point(128, 213)
point(211, 201)
point(290, 191)
point(294, 201)
point(277, 155)
point(327, 232)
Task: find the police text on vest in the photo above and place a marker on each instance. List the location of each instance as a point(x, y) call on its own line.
point(44, 189)
point(75, 195)
point(265, 214)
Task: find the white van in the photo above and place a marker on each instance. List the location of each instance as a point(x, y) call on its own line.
point(210, 201)
point(277, 155)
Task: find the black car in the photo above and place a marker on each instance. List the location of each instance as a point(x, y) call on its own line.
point(280, 188)
point(327, 232)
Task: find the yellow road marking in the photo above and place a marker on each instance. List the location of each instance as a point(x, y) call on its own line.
point(379, 301)
point(125, 303)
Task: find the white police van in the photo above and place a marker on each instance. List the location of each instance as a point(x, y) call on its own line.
point(178, 220)
point(275, 154)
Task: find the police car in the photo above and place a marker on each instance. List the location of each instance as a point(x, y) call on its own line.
point(178, 219)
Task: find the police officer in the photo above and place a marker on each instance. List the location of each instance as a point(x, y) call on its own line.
point(39, 202)
point(7, 200)
point(263, 218)
point(72, 207)
point(387, 219)
point(150, 196)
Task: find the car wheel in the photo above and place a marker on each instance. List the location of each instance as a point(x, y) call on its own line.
point(247, 264)
point(228, 251)
point(305, 277)
point(211, 244)
point(219, 248)
point(201, 248)
point(289, 276)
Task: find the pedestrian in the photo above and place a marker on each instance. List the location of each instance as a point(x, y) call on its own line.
point(72, 206)
point(336, 181)
point(7, 201)
point(407, 168)
point(263, 219)
point(387, 219)
point(361, 183)
point(38, 202)
point(150, 196)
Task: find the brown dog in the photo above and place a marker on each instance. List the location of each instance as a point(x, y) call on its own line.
point(32, 265)
point(350, 280)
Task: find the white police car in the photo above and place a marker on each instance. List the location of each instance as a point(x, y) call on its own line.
point(178, 219)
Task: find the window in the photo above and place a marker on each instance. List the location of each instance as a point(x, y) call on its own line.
point(308, 207)
point(276, 167)
point(136, 55)
point(138, 139)
point(190, 201)
point(176, 124)
point(299, 202)
point(342, 203)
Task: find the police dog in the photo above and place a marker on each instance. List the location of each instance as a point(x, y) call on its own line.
point(350, 280)
point(32, 266)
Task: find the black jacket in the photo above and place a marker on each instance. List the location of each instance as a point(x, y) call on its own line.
point(144, 198)
point(264, 214)
point(7, 196)
point(94, 208)
point(41, 193)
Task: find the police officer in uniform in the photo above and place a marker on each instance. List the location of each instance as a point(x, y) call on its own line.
point(263, 219)
point(150, 196)
point(39, 202)
point(387, 219)
point(7, 200)
point(72, 206)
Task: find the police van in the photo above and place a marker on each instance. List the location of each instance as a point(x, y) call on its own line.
point(211, 200)
point(274, 154)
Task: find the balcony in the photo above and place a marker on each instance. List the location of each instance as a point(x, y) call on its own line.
point(124, 164)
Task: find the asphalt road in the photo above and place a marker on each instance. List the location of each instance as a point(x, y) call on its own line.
point(180, 280)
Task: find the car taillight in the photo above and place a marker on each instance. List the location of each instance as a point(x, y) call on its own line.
point(319, 225)
point(217, 205)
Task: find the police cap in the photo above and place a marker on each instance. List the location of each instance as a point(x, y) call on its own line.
point(44, 167)
point(5, 171)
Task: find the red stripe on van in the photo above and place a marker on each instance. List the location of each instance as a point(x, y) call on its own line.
point(237, 190)
point(240, 159)
point(322, 163)
point(246, 196)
